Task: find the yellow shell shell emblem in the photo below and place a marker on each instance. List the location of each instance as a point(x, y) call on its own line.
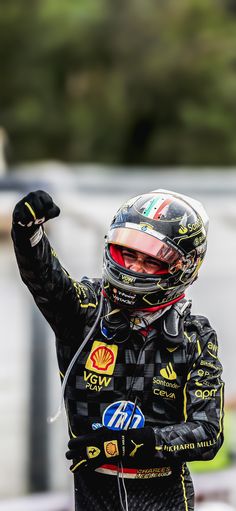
point(102, 358)
point(111, 448)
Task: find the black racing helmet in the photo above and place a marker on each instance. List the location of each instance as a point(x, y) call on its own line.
point(163, 224)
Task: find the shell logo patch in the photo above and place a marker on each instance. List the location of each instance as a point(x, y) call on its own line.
point(111, 448)
point(102, 358)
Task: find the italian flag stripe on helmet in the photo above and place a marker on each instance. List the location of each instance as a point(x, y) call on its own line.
point(162, 206)
point(155, 206)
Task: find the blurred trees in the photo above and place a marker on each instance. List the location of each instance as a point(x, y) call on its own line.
point(137, 82)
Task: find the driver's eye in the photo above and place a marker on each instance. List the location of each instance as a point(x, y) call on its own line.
point(152, 262)
point(129, 255)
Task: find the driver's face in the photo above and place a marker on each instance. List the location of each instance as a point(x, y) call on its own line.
point(142, 263)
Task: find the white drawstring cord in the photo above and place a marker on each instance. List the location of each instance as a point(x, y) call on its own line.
point(124, 506)
point(124, 488)
point(75, 357)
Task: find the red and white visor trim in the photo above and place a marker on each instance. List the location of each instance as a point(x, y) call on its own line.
point(145, 242)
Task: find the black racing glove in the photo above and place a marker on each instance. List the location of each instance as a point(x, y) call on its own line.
point(32, 211)
point(35, 209)
point(107, 446)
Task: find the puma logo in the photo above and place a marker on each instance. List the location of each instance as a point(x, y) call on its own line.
point(133, 452)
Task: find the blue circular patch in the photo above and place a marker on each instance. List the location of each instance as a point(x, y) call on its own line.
point(117, 416)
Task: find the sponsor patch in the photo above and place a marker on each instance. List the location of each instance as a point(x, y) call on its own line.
point(212, 350)
point(96, 382)
point(111, 448)
point(102, 358)
point(121, 415)
point(149, 473)
point(164, 383)
point(205, 394)
point(135, 473)
point(165, 394)
point(92, 451)
point(96, 425)
point(136, 447)
point(168, 372)
point(127, 278)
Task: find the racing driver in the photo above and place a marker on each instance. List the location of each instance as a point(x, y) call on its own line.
point(140, 374)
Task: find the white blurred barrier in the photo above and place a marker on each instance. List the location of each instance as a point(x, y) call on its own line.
point(39, 502)
point(215, 506)
point(217, 485)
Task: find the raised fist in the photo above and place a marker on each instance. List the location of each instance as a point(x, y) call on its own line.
point(35, 209)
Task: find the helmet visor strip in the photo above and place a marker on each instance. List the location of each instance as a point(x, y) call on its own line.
point(145, 243)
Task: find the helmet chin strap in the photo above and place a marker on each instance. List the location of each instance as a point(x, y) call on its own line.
point(115, 324)
point(141, 319)
point(163, 306)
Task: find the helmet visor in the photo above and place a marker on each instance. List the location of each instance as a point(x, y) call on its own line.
point(145, 243)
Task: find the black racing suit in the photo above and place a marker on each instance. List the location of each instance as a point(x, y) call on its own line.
point(173, 376)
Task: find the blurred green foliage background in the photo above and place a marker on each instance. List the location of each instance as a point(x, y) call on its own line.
point(115, 81)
